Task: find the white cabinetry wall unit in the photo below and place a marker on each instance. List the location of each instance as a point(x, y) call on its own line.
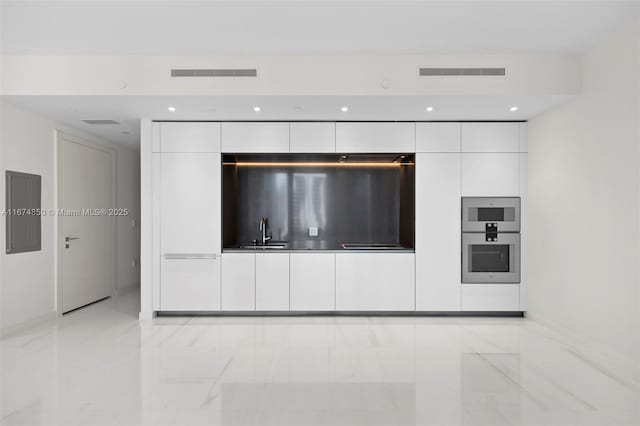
point(272, 282)
point(375, 137)
point(492, 166)
point(312, 137)
point(238, 282)
point(313, 281)
point(375, 282)
point(265, 137)
point(190, 272)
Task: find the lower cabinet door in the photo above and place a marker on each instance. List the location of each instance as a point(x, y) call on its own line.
point(375, 282)
point(238, 282)
point(190, 284)
point(490, 297)
point(272, 282)
point(313, 281)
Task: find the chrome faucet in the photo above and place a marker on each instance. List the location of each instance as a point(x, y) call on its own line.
point(263, 231)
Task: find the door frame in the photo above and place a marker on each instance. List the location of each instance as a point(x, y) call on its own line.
point(60, 138)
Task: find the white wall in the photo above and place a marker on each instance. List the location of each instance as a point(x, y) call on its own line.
point(344, 75)
point(27, 280)
point(583, 203)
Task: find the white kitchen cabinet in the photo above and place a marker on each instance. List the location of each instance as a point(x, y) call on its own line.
point(524, 234)
point(437, 233)
point(490, 174)
point(490, 137)
point(375, 137)
point(312, 137)
point(155, 137)
point(312, 281)
point(258, 137)
point(438, 137)
point(189, 137)
point(238, 282)
point(524, 140)
point(190, 203)
point(272, 281)
point(190, 284)
point(375, 282)
point(490, 297)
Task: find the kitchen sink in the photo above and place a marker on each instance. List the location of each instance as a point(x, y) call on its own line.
point(264, 247)
point(347, 246)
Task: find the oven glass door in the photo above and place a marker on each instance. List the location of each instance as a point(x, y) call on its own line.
point(477, 212)
point(491, 261)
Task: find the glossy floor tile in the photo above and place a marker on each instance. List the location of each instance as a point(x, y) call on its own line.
point(100, 366)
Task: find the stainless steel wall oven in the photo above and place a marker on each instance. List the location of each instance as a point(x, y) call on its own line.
point(490, 240)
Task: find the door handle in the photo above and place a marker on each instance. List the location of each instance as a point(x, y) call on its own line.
point(67, 239)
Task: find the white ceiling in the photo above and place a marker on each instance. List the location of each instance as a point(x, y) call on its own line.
point(128, 110)
point(306, 27)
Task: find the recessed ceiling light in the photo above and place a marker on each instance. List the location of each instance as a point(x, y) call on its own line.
point(344, 109)
point(172, 109)
point(513, 108)
point(256, 108)
point(429, 108)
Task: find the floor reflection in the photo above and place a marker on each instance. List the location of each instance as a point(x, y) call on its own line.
point(99, 366)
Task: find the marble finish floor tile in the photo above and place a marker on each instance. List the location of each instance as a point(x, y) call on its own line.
point(100, 366)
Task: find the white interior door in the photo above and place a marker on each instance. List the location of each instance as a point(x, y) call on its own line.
point(88, 228)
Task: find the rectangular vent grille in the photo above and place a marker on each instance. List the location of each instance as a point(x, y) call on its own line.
point(99, 122)
point(247, 72)
point(439, 72)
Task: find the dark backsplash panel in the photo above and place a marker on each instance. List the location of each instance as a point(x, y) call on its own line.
point(347, 204)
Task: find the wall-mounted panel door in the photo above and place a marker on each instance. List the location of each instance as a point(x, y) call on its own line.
point(375, 137)
point(262, 137)
point(190, 203)
point(490, 175)
point(490, 137)
point(438, 232)
point(312, 137)
point(189, 137)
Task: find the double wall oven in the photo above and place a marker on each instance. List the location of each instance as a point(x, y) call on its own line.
point(490, 240)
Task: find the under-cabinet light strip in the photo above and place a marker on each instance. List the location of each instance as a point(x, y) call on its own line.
point(311, 164)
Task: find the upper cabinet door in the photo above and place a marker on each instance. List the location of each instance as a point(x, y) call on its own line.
point(490, 137)
point(312, 137)
point(189, 137)
point(437, 137)
point(190, 203)
point(375, 137)
point(490, 175)
point(255, 137)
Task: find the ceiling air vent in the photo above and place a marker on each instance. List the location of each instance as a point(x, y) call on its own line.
point(439, 72)
point(226, 72)
point(98, 122)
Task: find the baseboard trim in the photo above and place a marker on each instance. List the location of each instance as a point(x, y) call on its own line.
point(514, 314)
point(25, 325)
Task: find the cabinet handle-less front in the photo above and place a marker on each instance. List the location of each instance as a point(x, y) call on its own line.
point(190, 256)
